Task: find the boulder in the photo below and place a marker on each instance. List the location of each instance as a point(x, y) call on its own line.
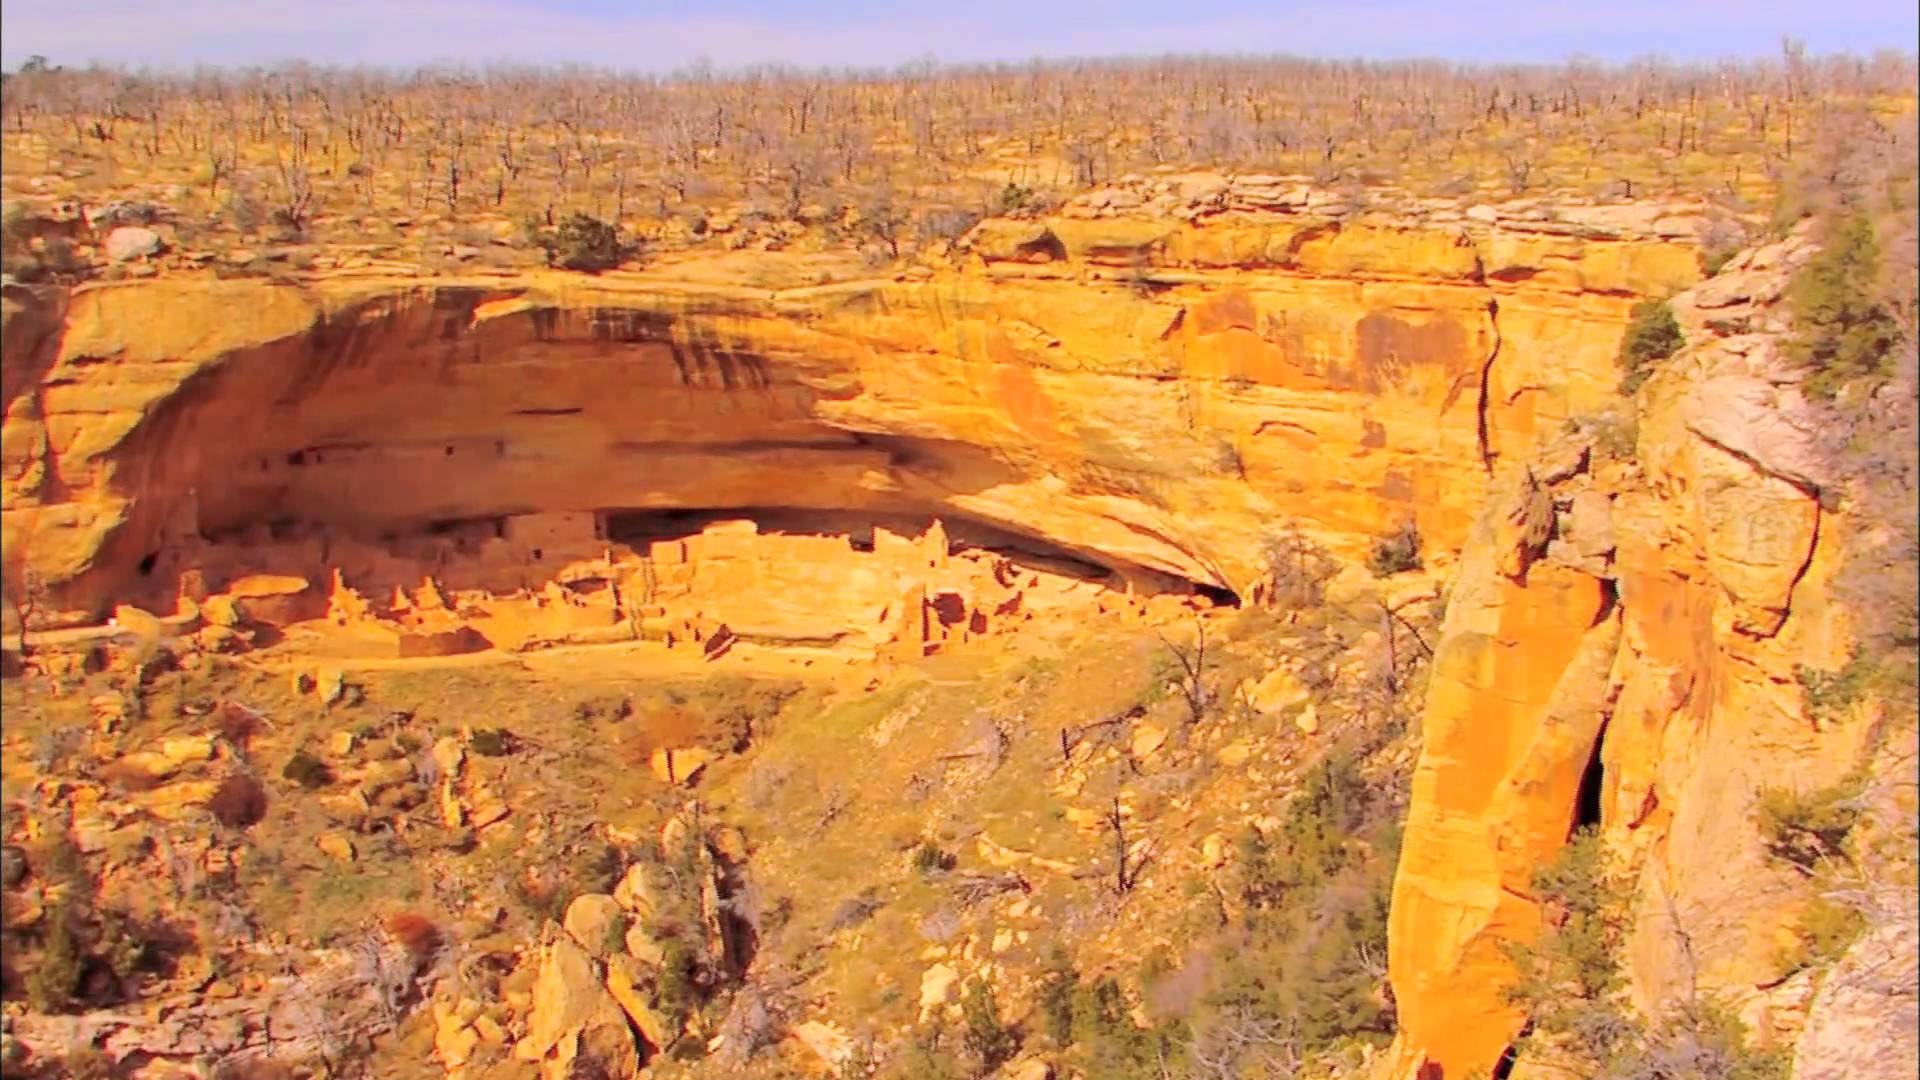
point(453, 1040)
point(1030, 1069)
point(382, 775)
point(141, 624)
point(131, 242)
point(643, 948)
point(187, 750)
point(1276, 692)
point(118, 216)
point(1766, 426)
point(1147, 741)
point(145, 766)
point(178, 801)
point(13, 866)
point(336, 847)
point(679, 766)
point(597, 922)
point(573, 1015)
point(826, 1042)
point(625, 977)
point(1588, 525)
point(448, 756)
point(634, 892)
point(1234, 754)
point(939, 985)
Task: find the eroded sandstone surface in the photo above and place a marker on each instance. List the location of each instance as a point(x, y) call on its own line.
point(1621, 651)
point(1149, 394)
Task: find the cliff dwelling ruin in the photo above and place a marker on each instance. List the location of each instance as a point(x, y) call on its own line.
point(815, 584)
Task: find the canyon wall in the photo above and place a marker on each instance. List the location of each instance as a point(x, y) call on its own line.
point(1155, 395)
point(1620, 651)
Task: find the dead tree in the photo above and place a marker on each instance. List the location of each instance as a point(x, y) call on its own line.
point(882, 218)
point(296, 194)
point(1193, 667)
point(26, 598)
point(1124, 873)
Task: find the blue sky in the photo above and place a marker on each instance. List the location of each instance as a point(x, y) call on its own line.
point(662, 36)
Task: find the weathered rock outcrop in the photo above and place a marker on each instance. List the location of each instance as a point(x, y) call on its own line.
point(344, 998)
point(1620, 650)
point(1862, 1022)
point(1146, 393)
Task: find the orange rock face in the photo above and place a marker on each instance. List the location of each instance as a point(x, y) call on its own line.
point(1266, 369)
point(1628, 660)
point(1514, 706)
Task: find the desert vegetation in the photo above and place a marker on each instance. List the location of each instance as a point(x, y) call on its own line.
point(448, 164)
point(1652, 336)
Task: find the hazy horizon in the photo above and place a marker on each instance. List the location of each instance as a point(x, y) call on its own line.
point(877, 34)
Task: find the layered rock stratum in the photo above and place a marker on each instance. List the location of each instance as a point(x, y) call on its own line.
point(1154, 395)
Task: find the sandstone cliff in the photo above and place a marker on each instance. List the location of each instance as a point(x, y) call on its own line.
point(1148, 394)
point(1621, 650)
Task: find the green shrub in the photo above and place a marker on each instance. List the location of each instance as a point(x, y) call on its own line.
point(58, 860)
point(1825, 931)
point(676, 988)
point(542, 902)
point(1566, 979)
point(1586, 940)
point(987, 1038)
point(307, 771)
point(1298, 569)
point(1844, 331)
point(55, 980)
point(492, 742)
point(1570, 984)
point(928, 858)
point(1299, 963)
point(947, 223)
point(85, 1064)
point(928, 1057)
point(1053, 996)
point(583, 242)
point(1616, 436)
point(123, 945)
point(1309, 950)
point(1397, 552)
point(56, 260)
point(239, 802)
point(1653, 334)
point(1014, 198)
point(1831, 693)
point(1806, 829)
point(1111, 1044)
point(609, 707)
point(16, 252)
point(1701, 1041)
